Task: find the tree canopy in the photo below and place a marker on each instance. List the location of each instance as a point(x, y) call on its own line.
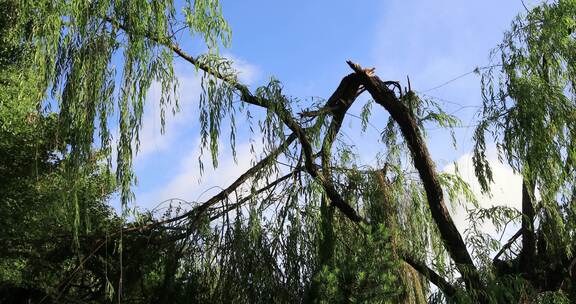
point(308, 222)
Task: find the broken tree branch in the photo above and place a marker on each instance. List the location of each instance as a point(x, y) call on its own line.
point(423, 162)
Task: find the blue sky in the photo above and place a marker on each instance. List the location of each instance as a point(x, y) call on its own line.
point(305, 44)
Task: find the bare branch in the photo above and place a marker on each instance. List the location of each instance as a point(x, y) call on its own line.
point(257, 192)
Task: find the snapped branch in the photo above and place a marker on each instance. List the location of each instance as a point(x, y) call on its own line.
point(402, 115)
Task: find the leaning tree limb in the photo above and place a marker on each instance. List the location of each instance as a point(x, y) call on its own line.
point(423, 162)
point(506, 246)
point(332, 193)
point(195, 214)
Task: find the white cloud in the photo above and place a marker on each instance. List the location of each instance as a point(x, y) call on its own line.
point(505, 191)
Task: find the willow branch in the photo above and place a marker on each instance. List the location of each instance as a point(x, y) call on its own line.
point(338, 103)
point(283, 113)
point(255, 193)
point(423, 162)
point(195, 212)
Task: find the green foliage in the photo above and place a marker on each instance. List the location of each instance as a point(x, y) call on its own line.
point(529, 102)
point(365, 114)
point(363, 273)
point(214, 105)
point(77, 56)
point(41, 228)
point(457, 189)
point(529, 111)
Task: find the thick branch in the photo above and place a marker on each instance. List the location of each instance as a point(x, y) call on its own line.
point(195, 212)
point(341, 99)
point(431, 275)
point(338, 103)
point(283, 114)
point(426, 168)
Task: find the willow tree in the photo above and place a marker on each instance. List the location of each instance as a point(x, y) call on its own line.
point(342, 231)
point(529, 110)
